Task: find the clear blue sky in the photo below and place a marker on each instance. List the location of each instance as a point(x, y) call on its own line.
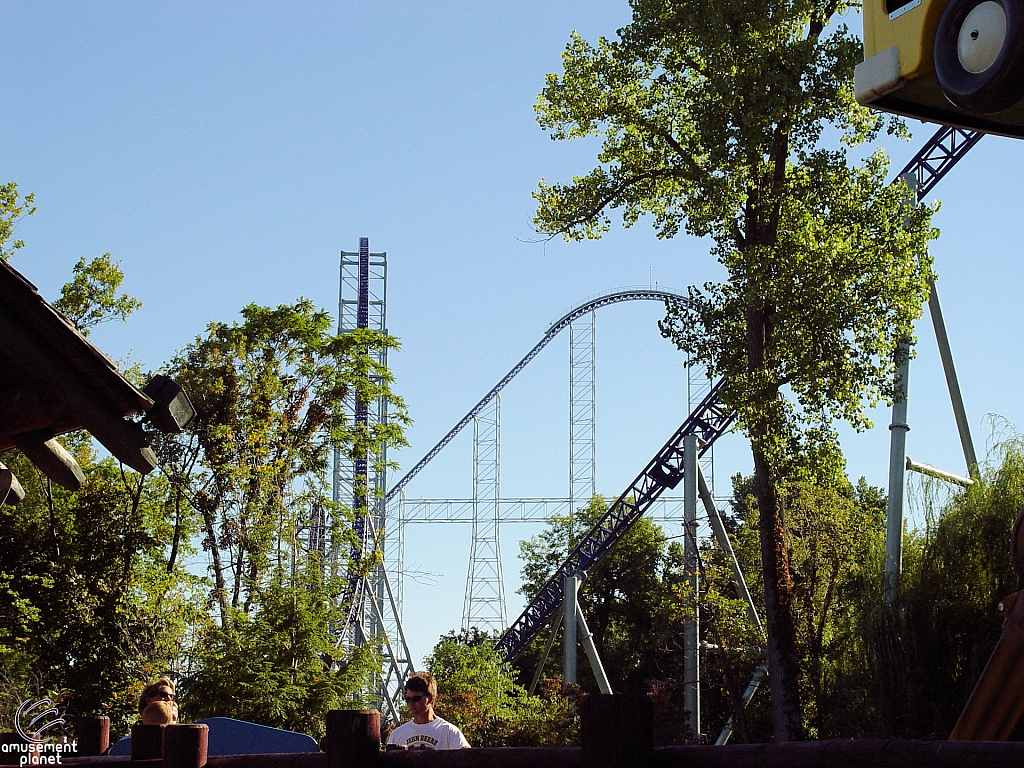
point(225, 153)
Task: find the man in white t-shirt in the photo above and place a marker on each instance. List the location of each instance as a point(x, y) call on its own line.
point(426, 730)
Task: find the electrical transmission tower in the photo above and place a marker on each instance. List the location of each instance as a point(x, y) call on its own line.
point(484, 606)
point(361, 481)
point(582, 411)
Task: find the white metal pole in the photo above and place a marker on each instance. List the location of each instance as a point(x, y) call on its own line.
point(591, 649)
point(718, 527)
point(955, 398)
point(691, 628)
point(571, 588)
point(897, 464)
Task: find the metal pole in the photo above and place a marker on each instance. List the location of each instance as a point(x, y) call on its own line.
point(898, 429)
point(691, 627)
point(897, 463)
point(960, 414)
point(572, 585)
point(591, 649)
point(556, 624)
point(938, 474)
point(748, 694)
point(718, 527)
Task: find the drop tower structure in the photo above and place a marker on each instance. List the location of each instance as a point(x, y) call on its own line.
point(360, 482)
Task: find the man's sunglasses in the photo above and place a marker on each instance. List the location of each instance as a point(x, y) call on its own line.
point(414, 699)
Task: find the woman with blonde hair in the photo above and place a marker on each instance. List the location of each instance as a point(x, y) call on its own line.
point(158, 690)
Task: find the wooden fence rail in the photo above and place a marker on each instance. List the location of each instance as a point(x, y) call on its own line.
point(615, 733)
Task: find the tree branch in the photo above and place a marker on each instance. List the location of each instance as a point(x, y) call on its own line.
point(613, 194)
point(817, 25)
point(676, 147)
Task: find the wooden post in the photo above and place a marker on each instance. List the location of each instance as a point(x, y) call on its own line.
point(185, 746)
point(9, 738)
point(93, 735)
point(616, 731)
point(353, 737)
point(147, 741)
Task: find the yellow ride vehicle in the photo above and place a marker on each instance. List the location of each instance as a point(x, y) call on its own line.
point(956, 62)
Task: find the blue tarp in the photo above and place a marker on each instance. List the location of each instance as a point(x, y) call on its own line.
point(237, 737)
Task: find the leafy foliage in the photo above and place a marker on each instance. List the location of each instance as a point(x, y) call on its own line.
point(713, 119)
point(836, 543)
point(91, 297)
point(931, 650)
point(88, 606)
point(269, 667)
point(270, 392)
point(477, 692)
point(13, 207)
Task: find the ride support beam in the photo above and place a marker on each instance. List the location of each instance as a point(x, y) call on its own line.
point(963, 426)
point(691, 566)
point(897, 464)
point(572, 587)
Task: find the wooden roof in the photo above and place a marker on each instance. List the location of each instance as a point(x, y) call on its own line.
point(54, 380)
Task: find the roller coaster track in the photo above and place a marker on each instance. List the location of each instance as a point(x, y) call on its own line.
point(708, 421)
point(635, 293)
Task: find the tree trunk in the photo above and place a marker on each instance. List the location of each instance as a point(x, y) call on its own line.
point(218, 569)
point(783, 662)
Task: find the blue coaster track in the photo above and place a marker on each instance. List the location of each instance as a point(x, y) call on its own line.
point(708, 421)
point(635, 293)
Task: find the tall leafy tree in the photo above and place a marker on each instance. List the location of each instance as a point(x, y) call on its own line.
point(715, 118)
point(13, 208)
point(270, 392)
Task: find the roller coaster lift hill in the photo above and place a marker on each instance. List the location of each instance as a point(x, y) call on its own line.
point(955, 62)
point(959, 63)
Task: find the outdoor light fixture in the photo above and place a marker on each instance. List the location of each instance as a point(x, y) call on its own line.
point(172, 411)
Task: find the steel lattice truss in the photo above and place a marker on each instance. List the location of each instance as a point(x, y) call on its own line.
point(582, 410)
point(588, 305)
point(710, 419)
point(665, 471)
point(938, 156)
point(484, 606)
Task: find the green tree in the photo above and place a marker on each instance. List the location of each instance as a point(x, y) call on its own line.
point(269, 667)
point(88, 606)
point(13, 208)
point(91, 297)
point(713, 118)
point(477, 691)
point(270, 393)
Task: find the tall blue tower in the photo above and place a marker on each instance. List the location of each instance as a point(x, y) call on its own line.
point(360, 483)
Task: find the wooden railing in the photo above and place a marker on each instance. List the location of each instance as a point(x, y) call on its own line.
point(615, 732)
